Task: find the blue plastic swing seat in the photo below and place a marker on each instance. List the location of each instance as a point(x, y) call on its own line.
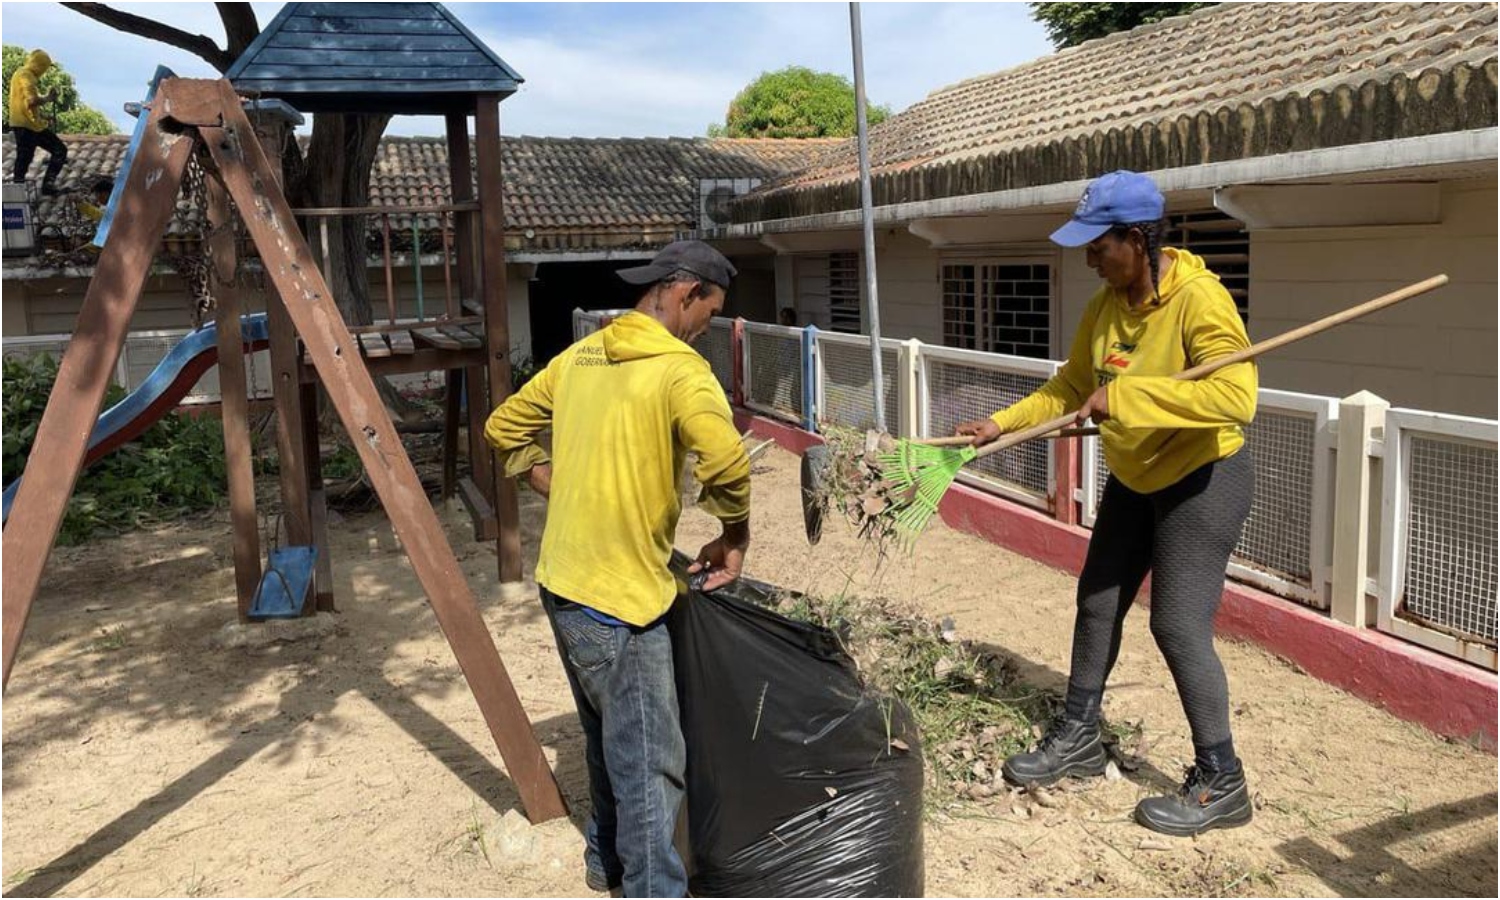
point(286, 584)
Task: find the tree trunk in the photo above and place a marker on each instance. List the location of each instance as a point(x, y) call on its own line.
point(335, 171)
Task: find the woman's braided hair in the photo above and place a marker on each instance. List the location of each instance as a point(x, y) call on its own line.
point(1153, 233)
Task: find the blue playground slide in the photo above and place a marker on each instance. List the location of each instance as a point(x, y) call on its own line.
point(162, 390)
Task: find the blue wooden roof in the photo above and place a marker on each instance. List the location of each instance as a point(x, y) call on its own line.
point(413, 58)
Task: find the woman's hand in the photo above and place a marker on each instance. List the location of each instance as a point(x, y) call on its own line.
point(982, 430)
point(1096, 407)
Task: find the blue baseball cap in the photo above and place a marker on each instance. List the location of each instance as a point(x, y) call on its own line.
point(1119, 198)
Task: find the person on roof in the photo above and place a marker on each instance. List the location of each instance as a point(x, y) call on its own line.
point(1179, 490)
point(92, 206)
point(625, 406)
point(31, 126)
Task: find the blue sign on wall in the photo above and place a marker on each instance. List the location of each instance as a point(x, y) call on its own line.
point(15, 218)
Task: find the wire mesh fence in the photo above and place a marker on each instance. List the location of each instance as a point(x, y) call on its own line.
point(1449, 563)
point(960, 386)
point(846, 394)
point(773, 370)
point(1281, 545)
point(715, 346)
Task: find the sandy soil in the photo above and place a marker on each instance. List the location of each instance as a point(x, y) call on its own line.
point(152, 746)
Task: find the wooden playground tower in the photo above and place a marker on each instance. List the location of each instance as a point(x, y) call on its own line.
point(310, 344)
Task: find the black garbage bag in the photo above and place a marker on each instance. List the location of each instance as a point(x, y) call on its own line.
point(800, 781)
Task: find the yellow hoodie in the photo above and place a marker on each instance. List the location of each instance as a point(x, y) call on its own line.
point(25, 87)
point(1159, 429)
point(625, 404)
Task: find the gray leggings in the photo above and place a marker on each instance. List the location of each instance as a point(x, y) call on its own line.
point(1182, 535)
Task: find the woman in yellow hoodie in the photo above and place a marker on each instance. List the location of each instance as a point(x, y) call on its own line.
point(1178, 494)
point(30, 126)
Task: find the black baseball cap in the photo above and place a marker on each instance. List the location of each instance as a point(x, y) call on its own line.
point(694, 257)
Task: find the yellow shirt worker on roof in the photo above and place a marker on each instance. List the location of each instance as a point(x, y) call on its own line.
point(30, 126)
point(625, 405)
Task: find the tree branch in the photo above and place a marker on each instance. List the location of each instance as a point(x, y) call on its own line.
point(196, 44)
point(240, 27)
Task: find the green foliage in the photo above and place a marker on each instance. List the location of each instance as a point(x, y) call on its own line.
point(795, 102)
point(73, 116)
point(1070, 24)
point(175, 467)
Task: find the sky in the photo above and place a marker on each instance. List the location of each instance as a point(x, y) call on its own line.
point(602, 69)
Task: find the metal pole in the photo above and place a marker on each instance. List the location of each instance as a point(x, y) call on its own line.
point(872, 294)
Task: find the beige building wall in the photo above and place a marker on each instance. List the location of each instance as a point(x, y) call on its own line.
point(1436, 352)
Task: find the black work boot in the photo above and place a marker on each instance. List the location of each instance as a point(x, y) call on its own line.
point(1206, 800)
point(1068, 748)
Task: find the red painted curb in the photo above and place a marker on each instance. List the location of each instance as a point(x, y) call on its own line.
point(1401, 678)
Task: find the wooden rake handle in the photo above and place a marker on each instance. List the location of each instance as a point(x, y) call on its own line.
point(1296, 334)
point(964, 440)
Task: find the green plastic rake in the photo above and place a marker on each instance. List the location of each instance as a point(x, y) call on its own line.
point(917, 473)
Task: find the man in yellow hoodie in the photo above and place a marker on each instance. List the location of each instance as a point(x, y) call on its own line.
point(30, 126)
point(1179, 491)
point(625, 405)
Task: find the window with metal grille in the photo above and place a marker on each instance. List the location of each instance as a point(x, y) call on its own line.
point(998, 307)
point(843, 293)
point(1223, 244)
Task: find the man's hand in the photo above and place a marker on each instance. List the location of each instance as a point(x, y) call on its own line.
point(724, 557)
point(982, 430)
point(540, 479)
point(1096, 407)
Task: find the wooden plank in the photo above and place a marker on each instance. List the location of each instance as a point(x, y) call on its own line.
point(435, 338)
point(317, 504)
point(399, 59)
point(386, 328)
point(477, 331)
point(354, 397)
point(233, 398)
point(380, 11)
point(481, 459)
point(347, 86)
point(425, 359)
point(465, 339)
point(373, 345)
point(452, 413)
point(496, 315)
point(346, 25)
point(312, 40)
point(374, 73)
point(461, 182)
point(88, 364)
point(480, 511)
point(401, 342)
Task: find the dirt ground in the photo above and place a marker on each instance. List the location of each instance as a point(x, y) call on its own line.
point(153, 747)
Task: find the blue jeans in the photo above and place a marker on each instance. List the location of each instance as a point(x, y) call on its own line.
point(625, 688)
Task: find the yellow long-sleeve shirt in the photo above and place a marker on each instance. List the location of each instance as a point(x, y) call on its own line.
point(1159, 429)
point(625, 404)
point(25, 87)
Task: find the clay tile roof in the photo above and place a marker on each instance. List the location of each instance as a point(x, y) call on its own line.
point(1229, 62)
point(588, 187)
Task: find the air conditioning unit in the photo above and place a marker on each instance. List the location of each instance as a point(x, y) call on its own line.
point(715, 195)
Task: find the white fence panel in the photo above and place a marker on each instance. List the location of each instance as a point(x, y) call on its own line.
point(1285, 546)
point(773, 370)
point(1438, 565)
point(962, 385)
point(846, 381)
